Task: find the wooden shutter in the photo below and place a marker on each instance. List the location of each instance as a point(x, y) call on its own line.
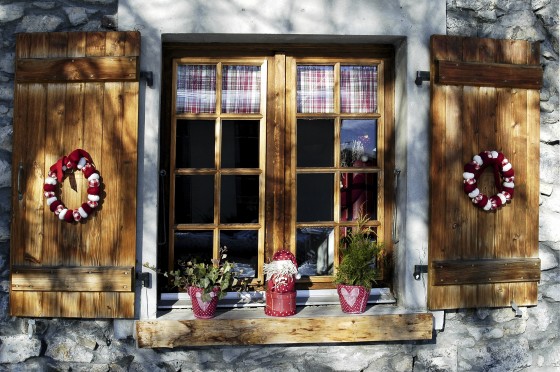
point(484, 96)
point(75, 90)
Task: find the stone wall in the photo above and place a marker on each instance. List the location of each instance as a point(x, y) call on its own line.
point(481, 339)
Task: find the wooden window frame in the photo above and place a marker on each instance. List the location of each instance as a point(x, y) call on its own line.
point(279, 201)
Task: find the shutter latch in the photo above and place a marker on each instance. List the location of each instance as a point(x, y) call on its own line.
point(148, 76)
point(422, 76)
point(418, 270)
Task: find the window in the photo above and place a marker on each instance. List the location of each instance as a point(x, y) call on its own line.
point(270, 147)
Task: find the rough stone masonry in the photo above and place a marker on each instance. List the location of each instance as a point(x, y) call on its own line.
point(478, 340)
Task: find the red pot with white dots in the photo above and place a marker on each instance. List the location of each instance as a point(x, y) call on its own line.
point(281, 275)
point(203, 309)
point(353, 298)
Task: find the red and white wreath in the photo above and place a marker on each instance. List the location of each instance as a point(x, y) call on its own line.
point(503, 178)
point(81, 160)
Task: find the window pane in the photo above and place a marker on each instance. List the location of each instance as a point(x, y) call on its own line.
point(242, 249)
point(358, 191)
point(240, 144)
point(194, 199)
point(314, 197)
point(194, 245)
point(358, 143)
point(196, 89)
point(358, 89)
point(315, 89)
point(195, 144)
point(239, 199)
point(315, 143)
point(241, 89)
point(315, 251)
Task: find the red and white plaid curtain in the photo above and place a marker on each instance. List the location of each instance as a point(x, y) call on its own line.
point(315, 89)
point(358, 89)
point(241, 89)
point(196, 89)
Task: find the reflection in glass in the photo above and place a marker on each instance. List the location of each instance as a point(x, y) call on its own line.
point(315, 251)
point(241, 89)
point(358, 143)
point(191, 245)
point(196, 89)
point(194, 199)
point(242, 249)
point(315, 143)
point(240, 144)
point(195, 144)
point(358, 89)
point(239, 201)
point(315, 89)
point(358, 192)
point(315, 197)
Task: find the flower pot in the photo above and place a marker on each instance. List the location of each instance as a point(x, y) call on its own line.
point(353, 298)
point(203, 309)
point(280, 304)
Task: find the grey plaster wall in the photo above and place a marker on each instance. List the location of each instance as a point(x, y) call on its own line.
point(472, 340)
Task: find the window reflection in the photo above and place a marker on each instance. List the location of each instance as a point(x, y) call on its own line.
point(315, 251)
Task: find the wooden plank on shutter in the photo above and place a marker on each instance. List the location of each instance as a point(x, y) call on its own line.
point(488, 74)
point(85, 279)
point(480, 258)
point(83, 269)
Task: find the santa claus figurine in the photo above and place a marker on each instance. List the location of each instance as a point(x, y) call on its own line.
point(281, 275)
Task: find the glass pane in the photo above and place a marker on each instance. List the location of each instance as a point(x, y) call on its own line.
point(241, 89)
point(242, 249)
point(315, 251)
point(196, 89)
point(194, 245)
point(195, 144)
point(315, 143)
point(315, 197)
point(358, 89)
point(194, 199)
point(358, 191)
point(240, 144)
point(239, 199)
point(315, 89)
point(358, 143)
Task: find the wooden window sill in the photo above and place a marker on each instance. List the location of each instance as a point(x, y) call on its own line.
point(310, 325)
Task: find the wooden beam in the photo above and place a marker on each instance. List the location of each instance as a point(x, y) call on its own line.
point(288, 330)
point(486, 271)
point(489, 74)
point(77, 69)
point(83, 279)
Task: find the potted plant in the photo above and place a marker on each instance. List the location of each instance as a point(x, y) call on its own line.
point(206, 283)
point(358, 267)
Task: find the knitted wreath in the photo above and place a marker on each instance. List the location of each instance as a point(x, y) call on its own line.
point(503, 178)
point(79, 159)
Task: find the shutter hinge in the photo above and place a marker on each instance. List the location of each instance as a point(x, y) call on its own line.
point(422, 76)
point(144, 278)
point(148, 76)
point(419, 270)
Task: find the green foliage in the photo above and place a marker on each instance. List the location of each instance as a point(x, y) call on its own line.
point(360, 255)
point(218, 274)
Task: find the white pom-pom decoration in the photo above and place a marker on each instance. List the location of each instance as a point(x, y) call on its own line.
point(511, 185)
point(81, 163)
point(51, 200)
point(474, 193)
point(477, 159)
point(62, 213)
point(94, 198)
point(468, 175)
point(502, 197)
point(94, 176)
point(488, 206)
point(50, 181)
point(82, 212)
point(506, 167)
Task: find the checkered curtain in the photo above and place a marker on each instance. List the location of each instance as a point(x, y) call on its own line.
point(315, 89)
point(241, 89)
point(358, 89)
point(196, 89)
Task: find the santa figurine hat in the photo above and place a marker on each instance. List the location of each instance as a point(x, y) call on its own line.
point(283, 263)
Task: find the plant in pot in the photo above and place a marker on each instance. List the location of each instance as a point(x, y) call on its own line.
point(206, 283)
point(358, 267)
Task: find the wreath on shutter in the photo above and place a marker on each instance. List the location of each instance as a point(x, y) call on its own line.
point(81, 160)
point(503, 178)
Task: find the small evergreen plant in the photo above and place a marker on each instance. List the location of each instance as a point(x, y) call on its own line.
point(360, 256)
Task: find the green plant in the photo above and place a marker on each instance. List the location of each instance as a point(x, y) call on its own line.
point(360, 256)
point(219, 274)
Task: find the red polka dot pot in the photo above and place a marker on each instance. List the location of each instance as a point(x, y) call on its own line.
point(280, 304)
point(203, 309)
point(353, 298)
